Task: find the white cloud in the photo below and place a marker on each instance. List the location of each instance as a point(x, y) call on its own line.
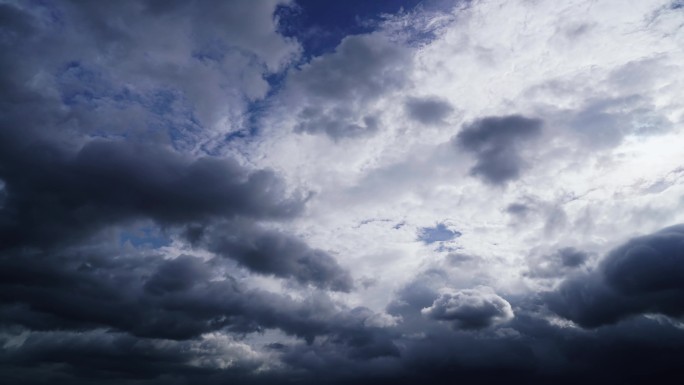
point(605, 110)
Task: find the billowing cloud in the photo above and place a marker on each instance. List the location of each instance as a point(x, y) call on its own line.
point(642, 276)
point(110, 181)
point(332, 91)
point(470, 308)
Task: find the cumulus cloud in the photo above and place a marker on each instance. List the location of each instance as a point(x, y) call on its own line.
point(361, 68)
point(470, 308)
point(333, 93)
point(642, 276)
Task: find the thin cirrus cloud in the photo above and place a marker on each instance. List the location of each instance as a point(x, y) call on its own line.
point(253, 192)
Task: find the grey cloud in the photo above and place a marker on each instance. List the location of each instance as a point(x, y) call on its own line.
point(272, 252)
point(361, 69)
point(518, 209)
point(179, 274)
point(637, 351)
point(108, 72)
point(150, 297)
point(339, 343)
point(336, 123)
point(571, 257)
point(556, 220)
point(604, 122)
point(562, 262)
point(84, 155)
point(56, 196)
point(527, 348)
point(496, 143)
point(644, 275)
point(428, 110)
point(470, 308)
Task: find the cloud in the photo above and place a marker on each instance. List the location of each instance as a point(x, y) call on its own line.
point(334, 93)
point(496, 143)
point(335, 123)
point(642, 276)
point(153, 297)
point(428, 110)
point(272, 252)
point(470, 308)
point(362, 67)
point(111, 181)
point(187, 195)
point(110, 74)
point(557, 264)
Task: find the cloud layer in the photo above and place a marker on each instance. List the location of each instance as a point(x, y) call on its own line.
point(460, 191)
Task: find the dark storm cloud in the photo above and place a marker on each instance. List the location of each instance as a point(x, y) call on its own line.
point(272, 252)
point(527, 348)
point(56, 196)
point(428, 110)
point(637, 351)
point(496, 143)
point(645, 275)
point(340, 345)
point(148, 296)
point(470, 309)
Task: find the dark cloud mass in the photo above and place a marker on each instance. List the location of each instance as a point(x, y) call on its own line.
point(496, 143)
point(153, 232)
point(54, 196)
point(273, 252)
point(645, 275)
point(428, 110)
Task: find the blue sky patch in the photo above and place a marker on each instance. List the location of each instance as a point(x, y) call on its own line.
point(439, 233)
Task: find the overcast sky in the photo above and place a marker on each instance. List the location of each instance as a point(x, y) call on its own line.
point(341, 192)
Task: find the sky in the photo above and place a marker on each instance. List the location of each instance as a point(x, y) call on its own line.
point(341, 192)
